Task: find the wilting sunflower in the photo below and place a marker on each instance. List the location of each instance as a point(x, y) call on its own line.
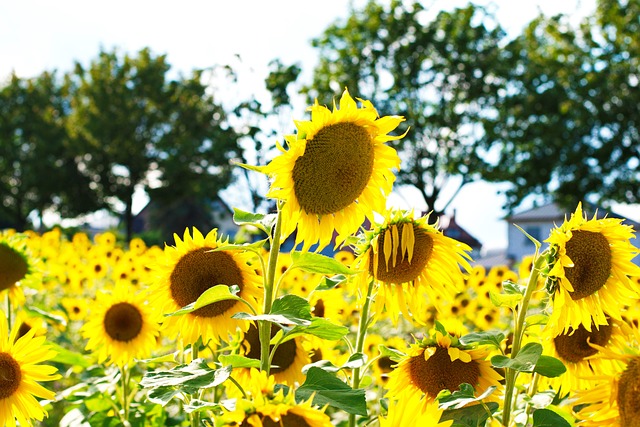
point(17, 267)
point(440, 362)
point(122, 327)
point(187, 271)
point(613, 400)
point(264, 407)
point(588, 272)
point(336, 171)
point(405, 412)
point(409, 257)
point(20, 368)
point(288, 360)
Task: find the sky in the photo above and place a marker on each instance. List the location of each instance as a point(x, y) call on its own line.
point(39, 35)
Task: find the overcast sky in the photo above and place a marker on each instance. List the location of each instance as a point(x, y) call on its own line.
point(44, 35)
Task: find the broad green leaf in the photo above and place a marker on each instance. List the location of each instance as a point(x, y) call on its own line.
point(470, 416)
point(316, 263)
point(548, 366)
point(525, 361)
point(325, 365)
point(391, 353)
point(171, 357)
point(273, 318)
point(356, 360)
point(253, 247)
point(510, 300)
point(493, 338)
point(537, 319)
point(321, 328)
point(163, 395)
point(195, 375)
point(327, 283)
point(236, 361)
point(68, 357)
point(292, 306)
point(510, 287)
point(212, 295)
point(46, 315)
point(197, 405)
point(261, 221)
point(326, 389)
point(462, 397)
point(548, 418)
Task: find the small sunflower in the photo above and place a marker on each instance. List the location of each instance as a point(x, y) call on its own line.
point(265, 407)
point(335, 172)
point(17, 267)
point(437, 363)
point(405, 412)
point(187, 271)
point(588, 272)
point(408, 257)
point(76, 308)
point(122, 327)
point(20, 368)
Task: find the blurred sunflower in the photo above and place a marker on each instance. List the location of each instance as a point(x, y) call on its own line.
point(17, 266)
point(122, 327)
point(437, 363)
point(408, 257)
point(335, 172)
point(76, 308)
point(588, 271)
point(265, 407)
point(613, 400)
point(405, 412)
point(187, 271)
point(20, 368)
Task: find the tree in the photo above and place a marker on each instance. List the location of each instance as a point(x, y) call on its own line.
point(443, 76)
point(133, 127)
point(568, 125)
point(37, 170)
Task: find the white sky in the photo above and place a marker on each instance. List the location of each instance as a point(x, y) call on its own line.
point(39, 35)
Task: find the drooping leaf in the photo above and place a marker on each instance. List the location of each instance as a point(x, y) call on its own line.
point(326, 389)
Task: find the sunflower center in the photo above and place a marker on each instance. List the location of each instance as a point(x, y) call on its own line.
point(200, 270)
point(10, 375)
point(403, 270)
point(287, 420)
point(284, 356)
point(439, 372)
point(591, 256)
point(629, 395)
point(123, 322)
point(334, 169)
point(13, 267)
point(574, 346)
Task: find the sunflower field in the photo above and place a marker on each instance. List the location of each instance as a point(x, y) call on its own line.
point(399, 328)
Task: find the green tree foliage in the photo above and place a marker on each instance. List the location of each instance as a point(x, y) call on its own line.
point(568, 125)
point(134, 127)
point(443, 76)
point(37, 168)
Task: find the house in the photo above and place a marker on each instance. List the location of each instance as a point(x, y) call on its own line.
point(451, 228)
point(539, 221)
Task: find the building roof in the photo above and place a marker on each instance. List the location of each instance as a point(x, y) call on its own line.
point(552, 212)
point(451, 228)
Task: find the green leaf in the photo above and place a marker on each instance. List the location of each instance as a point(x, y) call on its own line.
point(35, 311)
point(462, 397)
point(253, 247)
point(321, 328)
point(68, 357)
point(163, 395)
point(292, 306)
point(196, 405)
point(171, 357)
point(195, 375)
point(548, 418)
point(493, 338)
point(549, 366)
point(326, 389)
point(510, 300)
point(236, 361)
point(261, 221)
point(391, 353)
point(317, 263)
point(537, 319)
point(212, 295)
point(356, 360)
point(470, 416)
point(525, 361)
point(327, 283)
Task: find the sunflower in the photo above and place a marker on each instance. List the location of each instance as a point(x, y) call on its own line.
point(122, 327)
point(411, 412)
point(335, 172)
point(76, 308)
point(288, 360)
point(613, 402)
point(266, 407)
point(20, 368)
point(588, 271)
point(191, 267)
point(409, 257)
point(17, 267)
point(437, 363)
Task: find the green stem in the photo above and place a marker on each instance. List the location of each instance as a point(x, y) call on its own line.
point(264, 326)
point(8, 312)
point(362, 333)
point(518, 334)
point(195, 415)
point(124, 377)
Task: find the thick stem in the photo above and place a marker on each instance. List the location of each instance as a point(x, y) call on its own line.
point(124, 377)
point(195, 415)
point(518, 334)
point(362, 333)
point(264, 327)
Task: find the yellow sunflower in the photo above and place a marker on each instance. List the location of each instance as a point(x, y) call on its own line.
point(191, 267)
point(76, 308)
point(20, 368)
point(17, 267)
point(588, 272)
point(336, 171)
point(408, 257)
point(264, 407)
point(122, 326)
point(613, 400)
point(437, 363)
point(405, 412)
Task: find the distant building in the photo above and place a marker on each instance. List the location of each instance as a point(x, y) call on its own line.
point(451, 228)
